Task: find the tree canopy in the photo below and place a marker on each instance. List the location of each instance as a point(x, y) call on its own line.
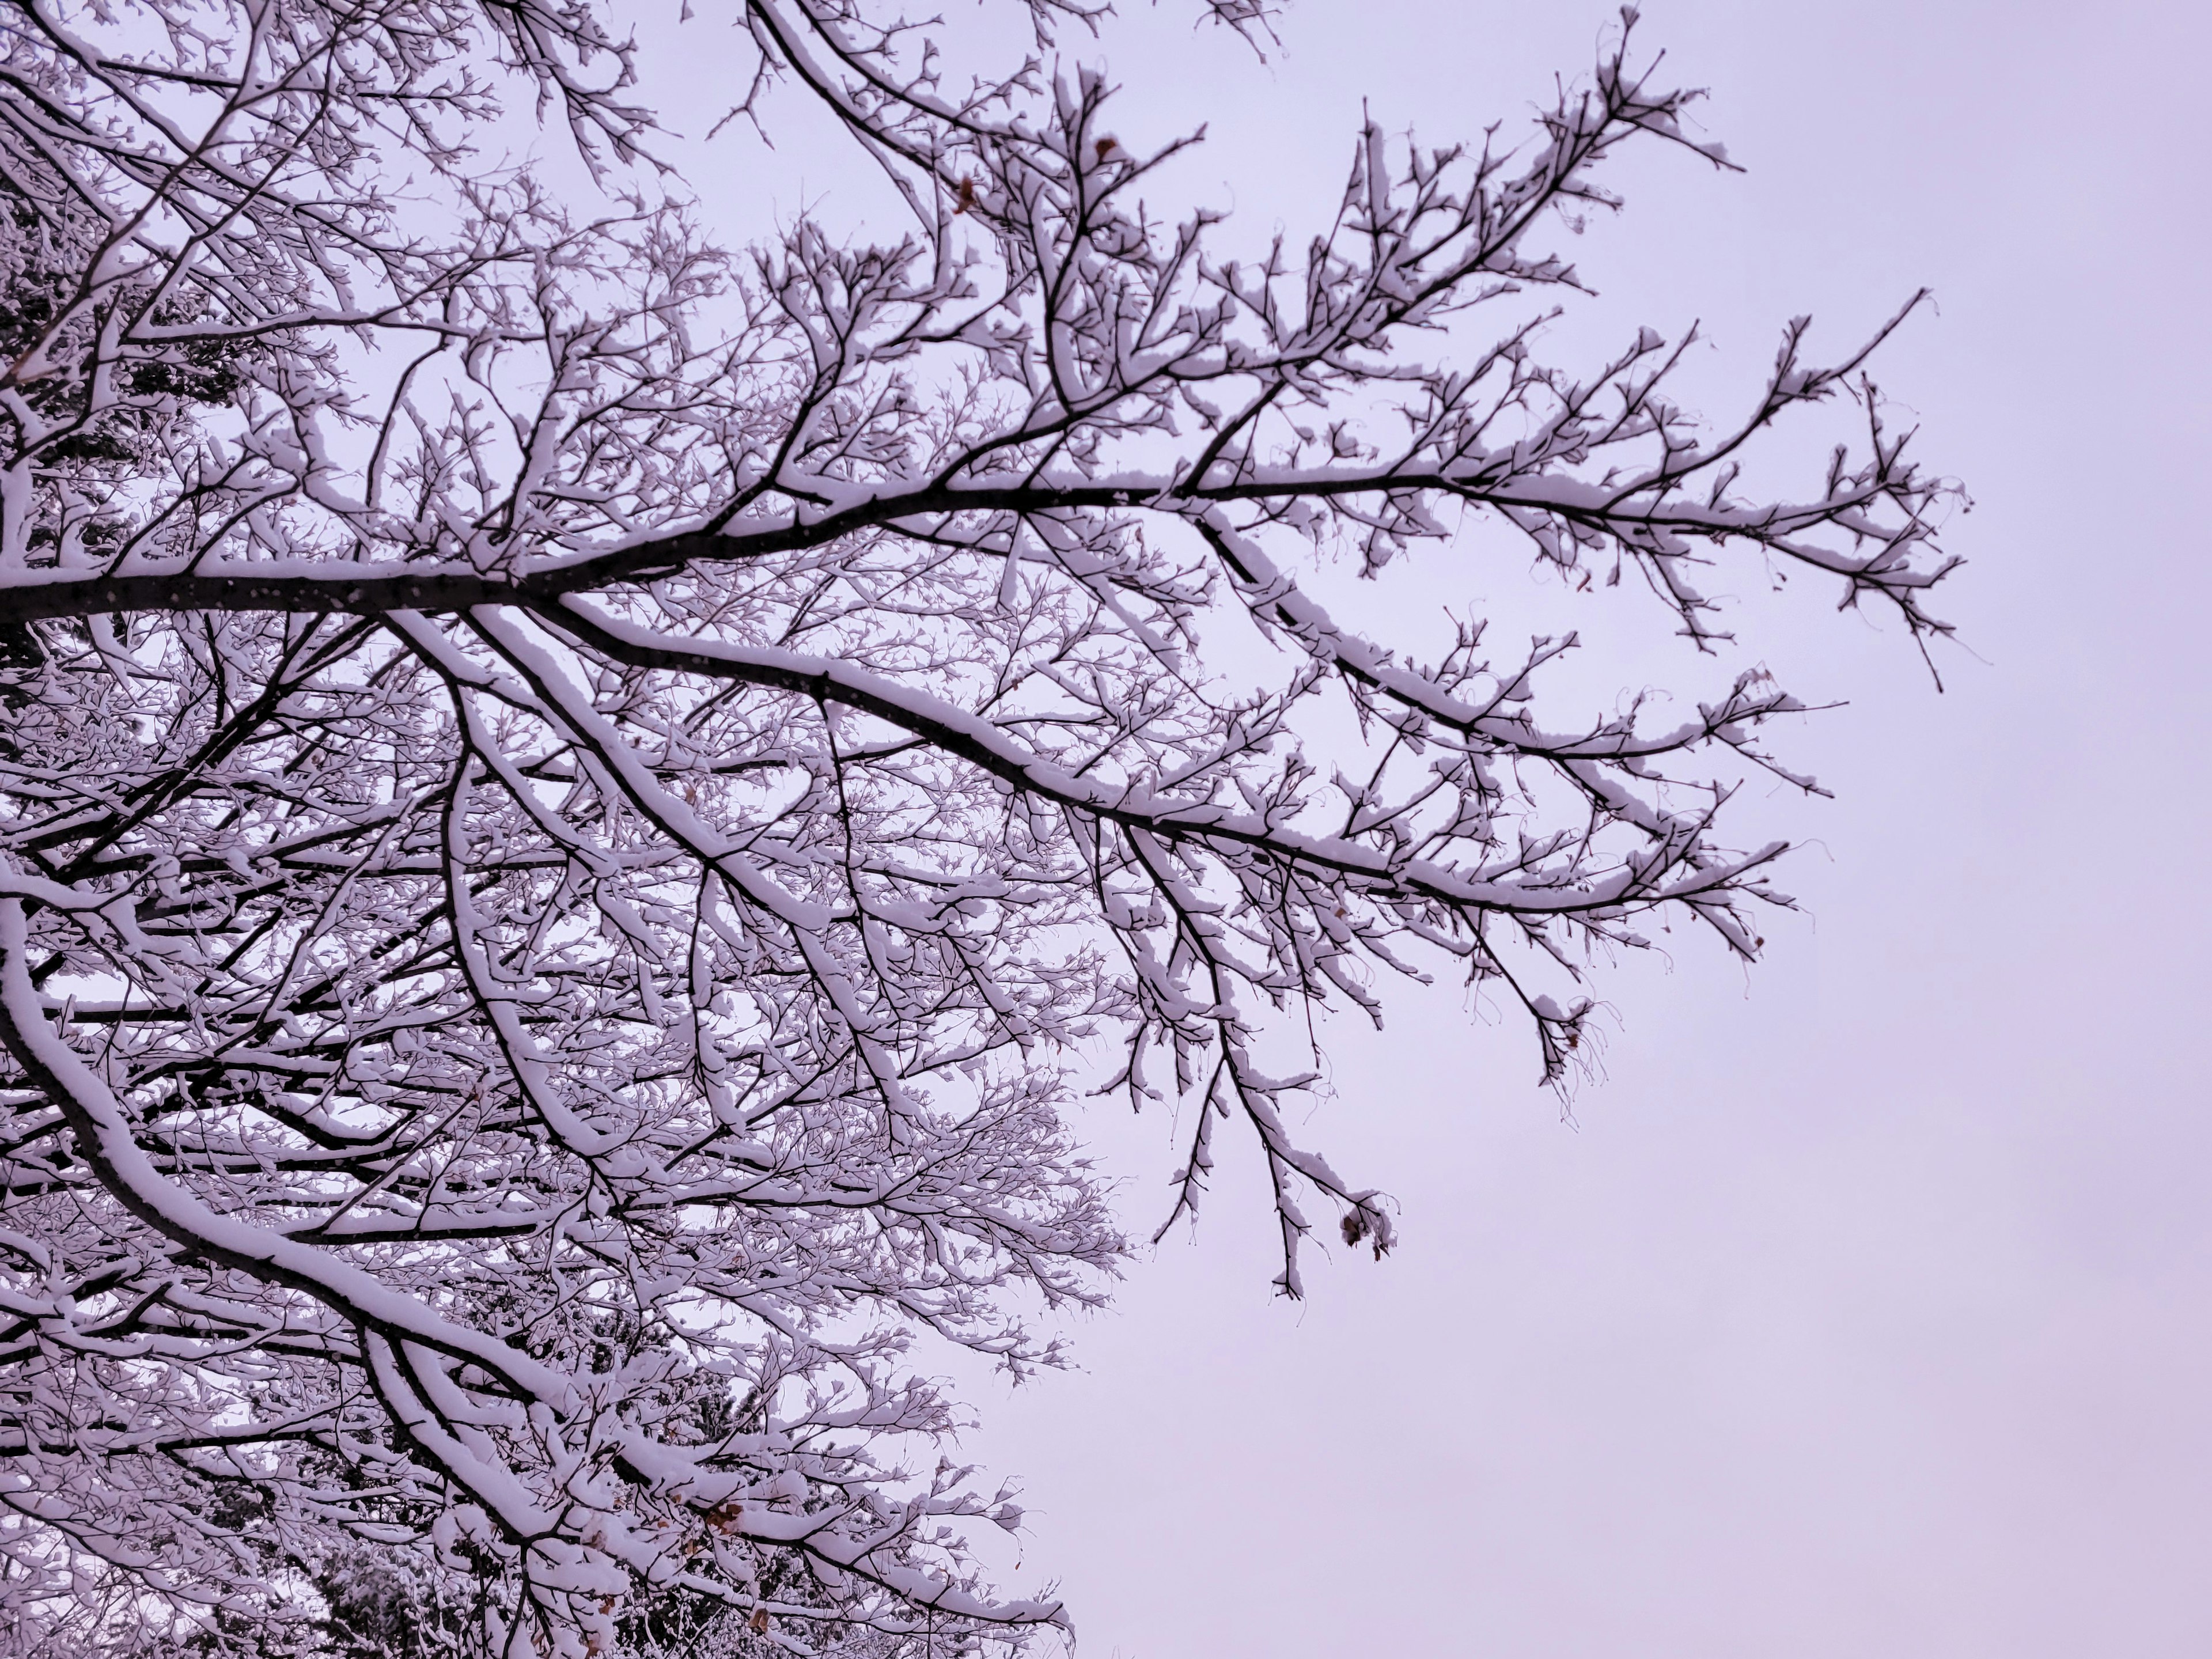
point(578, 806)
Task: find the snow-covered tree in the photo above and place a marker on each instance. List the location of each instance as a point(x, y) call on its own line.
point(576, 805)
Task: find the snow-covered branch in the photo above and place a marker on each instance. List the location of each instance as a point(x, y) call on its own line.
point(578, 807)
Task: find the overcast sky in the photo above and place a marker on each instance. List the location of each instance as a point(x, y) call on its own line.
point(1863, 1307)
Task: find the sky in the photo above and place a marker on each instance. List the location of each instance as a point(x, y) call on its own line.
point(1860, 1305)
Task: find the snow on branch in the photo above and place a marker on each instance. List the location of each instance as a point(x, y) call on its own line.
point(578, 807)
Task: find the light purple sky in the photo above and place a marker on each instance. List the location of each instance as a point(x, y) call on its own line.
point(1866, 1307)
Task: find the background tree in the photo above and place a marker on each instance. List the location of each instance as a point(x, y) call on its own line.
point(578, 806)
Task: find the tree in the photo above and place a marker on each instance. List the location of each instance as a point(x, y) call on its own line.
point(579, 807)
